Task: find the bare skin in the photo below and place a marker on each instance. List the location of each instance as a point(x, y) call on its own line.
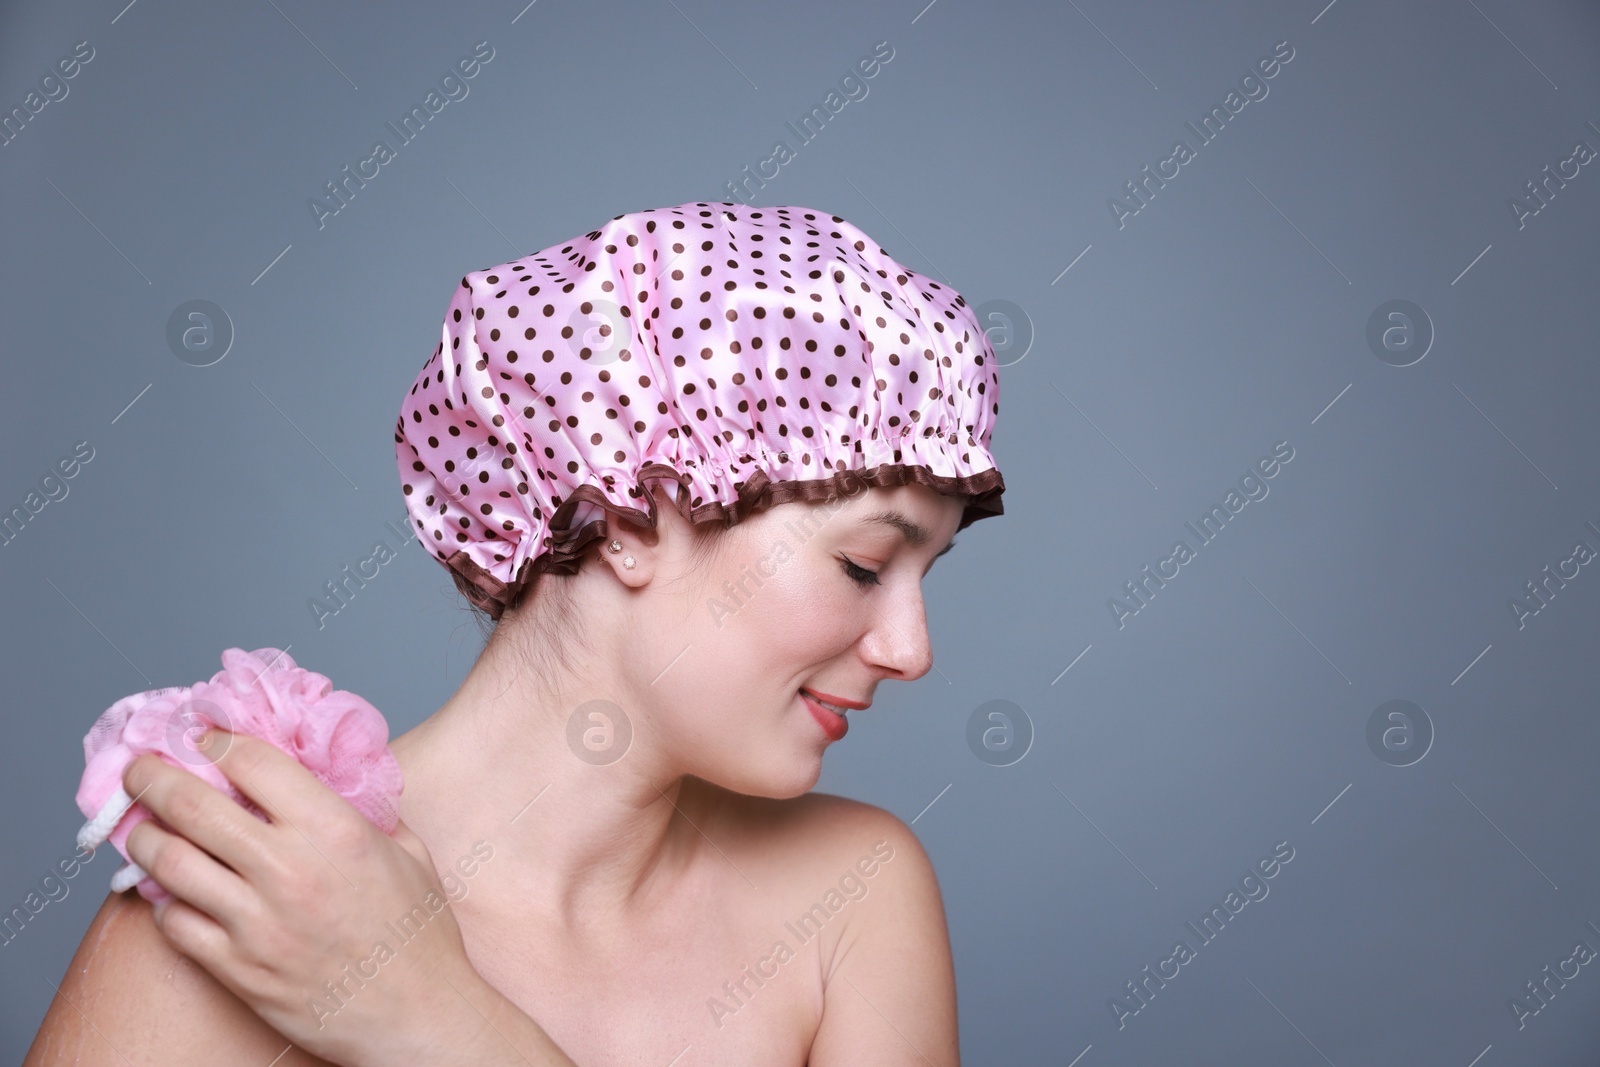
point(652, 906)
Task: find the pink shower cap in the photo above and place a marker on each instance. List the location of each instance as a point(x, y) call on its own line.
point(335, 734)
point(750, 355)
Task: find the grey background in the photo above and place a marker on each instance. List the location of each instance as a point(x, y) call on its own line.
point(1226, 316)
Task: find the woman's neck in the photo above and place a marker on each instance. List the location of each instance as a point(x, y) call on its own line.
point(576, 846)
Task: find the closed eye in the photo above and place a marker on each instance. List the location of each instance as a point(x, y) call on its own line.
point(860, 575)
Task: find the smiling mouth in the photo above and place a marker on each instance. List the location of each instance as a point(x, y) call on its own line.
point(837, 709)
point(830, 717)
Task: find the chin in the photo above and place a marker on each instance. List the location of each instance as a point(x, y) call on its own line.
point(785, 781)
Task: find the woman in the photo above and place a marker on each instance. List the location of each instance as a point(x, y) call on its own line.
point(625, 769)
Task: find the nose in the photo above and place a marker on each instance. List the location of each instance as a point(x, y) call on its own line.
point(897, 640)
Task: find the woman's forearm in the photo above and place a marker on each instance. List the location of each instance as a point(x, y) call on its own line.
point(487, 1030)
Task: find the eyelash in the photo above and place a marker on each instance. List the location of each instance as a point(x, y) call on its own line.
point(860, 575)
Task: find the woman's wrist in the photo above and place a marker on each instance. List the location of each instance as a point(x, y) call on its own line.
point(477, 1024)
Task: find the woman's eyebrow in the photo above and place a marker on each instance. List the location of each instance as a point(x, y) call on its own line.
point(914, 533)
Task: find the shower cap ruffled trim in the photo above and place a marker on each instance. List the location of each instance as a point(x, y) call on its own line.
point(580, 521)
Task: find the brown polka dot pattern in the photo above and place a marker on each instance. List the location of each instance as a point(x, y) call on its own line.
point(750, 355)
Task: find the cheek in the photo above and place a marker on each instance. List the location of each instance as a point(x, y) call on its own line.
point(774, 610)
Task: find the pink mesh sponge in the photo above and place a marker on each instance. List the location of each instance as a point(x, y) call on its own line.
point(335, 734)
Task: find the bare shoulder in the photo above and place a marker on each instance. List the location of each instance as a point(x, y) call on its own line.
point(818, 831)
point(874, 860)
point(857, 869)
point(857, 877)
point(130, 998)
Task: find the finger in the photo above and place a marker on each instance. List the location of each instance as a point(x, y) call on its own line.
point(277, 782)
point(194, 934)
point(189, 874)
point(200, 812)
point(407, 839)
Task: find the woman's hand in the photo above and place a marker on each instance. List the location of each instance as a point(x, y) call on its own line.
point(336, 934)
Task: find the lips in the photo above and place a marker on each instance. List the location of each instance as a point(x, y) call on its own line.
point(835, 708)
point(839, 703)
point(832, 721)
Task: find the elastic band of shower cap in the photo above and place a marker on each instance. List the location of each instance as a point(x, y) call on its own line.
point(752, 355)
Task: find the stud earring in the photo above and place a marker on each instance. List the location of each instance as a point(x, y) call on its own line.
point(615, 545)
point(628, 562)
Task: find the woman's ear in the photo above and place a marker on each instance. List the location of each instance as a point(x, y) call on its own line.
point(633, 552)
point(670, 540)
